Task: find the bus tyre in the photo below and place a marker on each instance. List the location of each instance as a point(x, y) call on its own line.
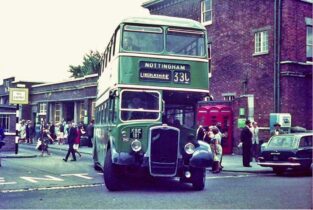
point(198, 178)
point(110, 174)
point(96, 165)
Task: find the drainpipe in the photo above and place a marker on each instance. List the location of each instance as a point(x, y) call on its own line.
point(277, 38)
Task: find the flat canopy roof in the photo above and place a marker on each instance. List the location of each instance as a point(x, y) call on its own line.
point(165, 20)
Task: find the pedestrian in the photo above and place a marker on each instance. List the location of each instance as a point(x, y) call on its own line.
point(255, 141)
point(60, 133)
point(52, 132)
point(22, 130)
point(2, 135)
point(45, 139)
point(218, 136)
point(217, 156)
point(277, 130)
point(79, 132)
point(72, 133)
point(90, 129)
point(246, 141)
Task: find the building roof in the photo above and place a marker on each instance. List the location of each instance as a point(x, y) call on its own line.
point(165, 20)
point(150, 3)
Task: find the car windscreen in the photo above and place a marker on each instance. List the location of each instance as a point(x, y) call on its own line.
point(282, 142)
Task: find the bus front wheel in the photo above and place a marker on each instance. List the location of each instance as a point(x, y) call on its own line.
point(110, 173)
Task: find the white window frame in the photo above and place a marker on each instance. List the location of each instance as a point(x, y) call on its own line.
point(43, 108)
point(309, 43)
point(6, 119)
point(93, 110)
point(57, 115)
point(229, 96)
point(210, 59)
point(82, 111)
point(203, 12)
point(261, 43)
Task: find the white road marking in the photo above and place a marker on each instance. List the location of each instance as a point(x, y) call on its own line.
point(84, 175)
point(227, 177)
point(3, 182)
point(52, 188)
point(48, 178)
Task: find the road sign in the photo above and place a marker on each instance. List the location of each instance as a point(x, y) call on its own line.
point(18, 96)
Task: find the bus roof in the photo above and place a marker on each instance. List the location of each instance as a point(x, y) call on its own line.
point(165, 20)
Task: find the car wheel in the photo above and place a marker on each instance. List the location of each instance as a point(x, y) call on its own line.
point(111, 174)
point(278, 171)
point(198, 178)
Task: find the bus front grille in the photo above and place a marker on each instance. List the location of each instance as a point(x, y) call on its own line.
point(163, 150)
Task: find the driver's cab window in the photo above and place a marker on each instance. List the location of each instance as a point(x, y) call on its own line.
point(306, 141)
point(179, 116)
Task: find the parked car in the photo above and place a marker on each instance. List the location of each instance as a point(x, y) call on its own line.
point(288, 151)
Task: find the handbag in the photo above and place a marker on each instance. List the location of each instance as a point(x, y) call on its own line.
point(39, 142)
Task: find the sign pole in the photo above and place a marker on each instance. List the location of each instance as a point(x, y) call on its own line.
point(16, 129)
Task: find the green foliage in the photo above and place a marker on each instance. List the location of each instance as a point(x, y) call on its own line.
point(91, 65)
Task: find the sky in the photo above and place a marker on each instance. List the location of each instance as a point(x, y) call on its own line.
point(40, 39)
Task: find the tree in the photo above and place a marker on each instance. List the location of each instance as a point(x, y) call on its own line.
point(91, 65)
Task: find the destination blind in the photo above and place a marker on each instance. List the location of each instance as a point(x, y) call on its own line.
point(164, 72)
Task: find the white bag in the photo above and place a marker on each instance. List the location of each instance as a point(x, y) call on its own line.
point(76, 146)
point(39, 142)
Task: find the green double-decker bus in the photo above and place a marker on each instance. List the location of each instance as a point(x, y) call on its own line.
point(153, 73)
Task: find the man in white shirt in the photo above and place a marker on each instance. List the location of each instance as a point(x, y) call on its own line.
point(255, 140)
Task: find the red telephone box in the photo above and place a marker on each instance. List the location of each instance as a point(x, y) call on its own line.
point(208, 115)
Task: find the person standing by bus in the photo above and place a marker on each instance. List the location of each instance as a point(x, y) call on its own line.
point(246, 139)
point(255, 140)
point(90, 129)
point(71, 140)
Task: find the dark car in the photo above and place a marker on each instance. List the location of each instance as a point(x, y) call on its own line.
point(287, 151)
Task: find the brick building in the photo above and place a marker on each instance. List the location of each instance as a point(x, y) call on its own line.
point(260, 54)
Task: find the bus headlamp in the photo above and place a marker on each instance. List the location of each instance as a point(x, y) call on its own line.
point(124, 136)
point(136, 145)
point(189, 148)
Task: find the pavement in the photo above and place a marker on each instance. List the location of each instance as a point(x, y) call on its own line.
point(231, 163)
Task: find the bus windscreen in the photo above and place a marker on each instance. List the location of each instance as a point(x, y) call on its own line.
point(140, 105)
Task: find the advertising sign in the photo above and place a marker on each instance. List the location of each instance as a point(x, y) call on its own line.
point(18, 96)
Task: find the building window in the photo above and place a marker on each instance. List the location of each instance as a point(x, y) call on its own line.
point(5, 122)
point(81, 112)
point(228, 96)
point(42, 108)
point(210, 59)
point(261, 42)
point(93, 108)
point(57, 116)
point(309, 43)
point(206, 11)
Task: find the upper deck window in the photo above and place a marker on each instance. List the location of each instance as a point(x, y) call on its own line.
point(185, 42)
point(142, 39)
